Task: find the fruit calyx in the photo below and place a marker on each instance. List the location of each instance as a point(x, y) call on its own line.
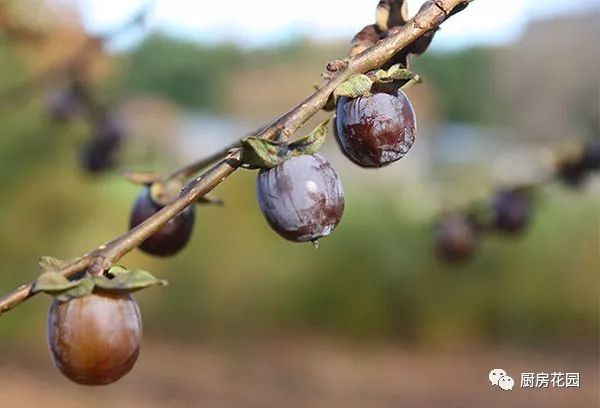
point(260, 153)
point(117, 280)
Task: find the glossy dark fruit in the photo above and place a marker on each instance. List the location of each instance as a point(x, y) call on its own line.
point(173, 236)
point(512, 211)
point(375, 130)
point(95, 340)
point(64, 105)
point(591, 155)
point(99, 153)
point(302, 198)
point(455, 239)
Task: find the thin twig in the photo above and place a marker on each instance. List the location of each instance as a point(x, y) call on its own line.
point(186, 172)
point(431, 15)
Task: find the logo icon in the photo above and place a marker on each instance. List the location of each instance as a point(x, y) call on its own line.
point(506, 383)
point(499, 377)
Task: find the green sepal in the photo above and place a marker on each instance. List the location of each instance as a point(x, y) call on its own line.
point(121, 280)
point(63, 289)
point(311, 143)
point(259, 153)
point(357, 85)
point(396, 72)
point(117, 280)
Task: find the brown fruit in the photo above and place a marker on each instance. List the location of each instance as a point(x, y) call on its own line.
point(455, 238)
point(95, 340)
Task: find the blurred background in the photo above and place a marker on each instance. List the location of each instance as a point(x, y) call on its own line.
point(371, 318)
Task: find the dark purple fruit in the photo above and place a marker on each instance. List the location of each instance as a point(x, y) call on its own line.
point(455, 238)
point(591, 155)
point(572, 172)
point(108, 134)
point(95, 340)
point(99, 154)
point(95, 157)
point(173, 236)
point(64, 105)
point(375, 130)
point(302, 198)
point(512, 211)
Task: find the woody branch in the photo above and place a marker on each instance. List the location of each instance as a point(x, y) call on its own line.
point(430, 16)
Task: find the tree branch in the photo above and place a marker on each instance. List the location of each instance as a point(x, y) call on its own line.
point(431, 15)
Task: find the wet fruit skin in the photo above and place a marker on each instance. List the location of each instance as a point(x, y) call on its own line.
point(173, 236)
point(302, 198)
point(377, 129)
point(455, 239)
point(95, 340)
point(512, 211)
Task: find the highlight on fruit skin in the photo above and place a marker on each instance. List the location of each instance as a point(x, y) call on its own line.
point(171, 237)
point(377, 129)
point(95, 340)
point(455, 238)
point(302, 199)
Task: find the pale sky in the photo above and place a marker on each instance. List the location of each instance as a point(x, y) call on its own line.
point(264, 22)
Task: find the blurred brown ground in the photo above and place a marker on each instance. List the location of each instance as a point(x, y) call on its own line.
point(307, 372)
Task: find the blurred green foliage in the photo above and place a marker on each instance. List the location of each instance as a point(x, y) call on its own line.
point(194, 75)
point(464, 82)
point(188, 73)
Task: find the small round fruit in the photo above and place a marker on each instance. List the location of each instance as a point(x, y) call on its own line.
point(572, 172)
point(512, 211)
point(95, 340)
point(173, 236)
point(591, 155)
point(302, 198)
point(108, 134)
point(63, 105)
point(377, 129)
point(96, 158)
point(455, 239)
point(99, 153)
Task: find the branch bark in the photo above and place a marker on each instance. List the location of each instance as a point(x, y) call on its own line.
point(431, 15)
